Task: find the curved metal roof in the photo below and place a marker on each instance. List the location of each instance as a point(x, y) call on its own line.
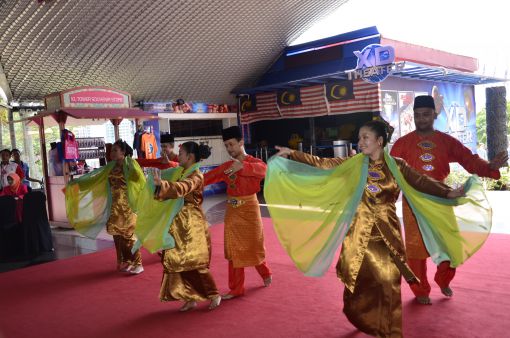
point(155, 50)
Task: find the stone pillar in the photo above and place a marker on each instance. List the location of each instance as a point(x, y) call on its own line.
point(497, 138)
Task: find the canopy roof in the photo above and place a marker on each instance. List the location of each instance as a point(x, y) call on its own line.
point(155, 50)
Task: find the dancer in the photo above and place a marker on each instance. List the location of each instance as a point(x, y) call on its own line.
point(186, 274)
point(168, 158)
point(314, 209)
point(430, 152)
point(243, 234)
point(108, 196)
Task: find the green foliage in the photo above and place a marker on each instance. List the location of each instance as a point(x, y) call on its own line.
point(458, 176)
point(481, 124)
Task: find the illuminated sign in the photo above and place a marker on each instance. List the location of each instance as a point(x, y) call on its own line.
point(375, 63)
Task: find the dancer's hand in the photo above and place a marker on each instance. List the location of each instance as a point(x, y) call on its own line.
point(459, 192)
point(283, 151)
point(235, 167)
point(500, 160)
point(164, 158)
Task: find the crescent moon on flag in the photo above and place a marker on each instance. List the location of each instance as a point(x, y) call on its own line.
point(245, 105)
point(342, 91)
point(282, 99)
point(332, 92)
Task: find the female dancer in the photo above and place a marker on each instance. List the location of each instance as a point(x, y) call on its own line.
point(186, 274)
point(372, 258)
point(108, 196)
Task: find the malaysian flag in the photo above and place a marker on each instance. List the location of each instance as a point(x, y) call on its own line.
point(313, 103)
point(363, 97)
point(367, 98)
point(266, 109)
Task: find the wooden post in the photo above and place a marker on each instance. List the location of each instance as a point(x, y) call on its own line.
point(497, 138)
point(116, 123)
point(44, 159)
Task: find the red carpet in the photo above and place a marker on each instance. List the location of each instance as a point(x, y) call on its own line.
point(84, 297)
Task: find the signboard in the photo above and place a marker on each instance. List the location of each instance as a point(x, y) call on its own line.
point(90, 97)
point(375, 63)
point(455, 106)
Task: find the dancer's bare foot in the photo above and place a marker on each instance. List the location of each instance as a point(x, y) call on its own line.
point(447, 291)
point(188, 306)
point(227, 296)
point(424, 300)
point(268, 281)
point(215, 302)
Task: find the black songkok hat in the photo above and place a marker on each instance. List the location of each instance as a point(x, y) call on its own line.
point(166, 138)
point(231, 132)
point(424, 101)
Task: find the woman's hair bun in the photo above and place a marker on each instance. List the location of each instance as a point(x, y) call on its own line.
point(204, 151)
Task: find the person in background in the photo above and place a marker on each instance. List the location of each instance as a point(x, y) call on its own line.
point(7, 167)
point(244, 232)
point(16, 158)
point(186, 274)
point(55, 167)
point(430, 152)
point(481, 151)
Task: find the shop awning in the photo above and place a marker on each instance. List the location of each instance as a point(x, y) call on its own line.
point(118, 113)
point(331, 59)
point(84, 116)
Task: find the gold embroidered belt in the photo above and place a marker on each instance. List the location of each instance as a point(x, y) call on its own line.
point(237, 201)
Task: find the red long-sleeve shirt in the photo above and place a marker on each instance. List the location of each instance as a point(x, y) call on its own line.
point(156, 163)
point(432, 154)
point(244, 182)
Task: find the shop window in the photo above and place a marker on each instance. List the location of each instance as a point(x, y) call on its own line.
point(188, 128)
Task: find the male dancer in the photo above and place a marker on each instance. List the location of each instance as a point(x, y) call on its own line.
point(430, 151)
point(244, 236)
point(168, 158)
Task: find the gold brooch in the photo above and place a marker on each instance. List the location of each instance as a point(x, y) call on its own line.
point(426, 145)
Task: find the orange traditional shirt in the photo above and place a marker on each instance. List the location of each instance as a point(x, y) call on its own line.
point(242, 183)
point(149, 145)
point(431, 155)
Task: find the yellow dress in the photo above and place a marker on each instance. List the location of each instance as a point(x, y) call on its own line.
point(122, 221)
point(373, 257)
point(186, 273)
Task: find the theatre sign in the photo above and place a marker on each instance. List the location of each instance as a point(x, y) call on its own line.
point(375, 64)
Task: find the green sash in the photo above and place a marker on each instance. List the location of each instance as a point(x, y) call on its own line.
point(312, 210)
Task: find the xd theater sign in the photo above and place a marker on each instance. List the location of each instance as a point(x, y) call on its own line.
point(375, 63)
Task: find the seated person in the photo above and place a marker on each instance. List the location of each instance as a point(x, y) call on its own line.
point(16, 158)
point(7, 167)
point(17, 190)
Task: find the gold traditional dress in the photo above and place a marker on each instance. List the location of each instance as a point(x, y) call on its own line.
point(373, 257)
point(186, 274)
point(122, 221)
